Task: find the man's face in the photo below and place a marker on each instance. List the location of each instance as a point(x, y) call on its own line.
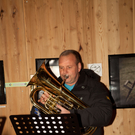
point(68, 67)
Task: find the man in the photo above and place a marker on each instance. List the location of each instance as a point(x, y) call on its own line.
point(86, 85)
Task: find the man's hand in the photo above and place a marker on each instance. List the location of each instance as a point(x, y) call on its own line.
point(44, 98)
point(63, 110)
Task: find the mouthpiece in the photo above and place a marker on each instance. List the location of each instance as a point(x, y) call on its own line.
point(66, 76)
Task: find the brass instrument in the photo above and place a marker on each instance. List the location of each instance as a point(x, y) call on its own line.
point(47, 81)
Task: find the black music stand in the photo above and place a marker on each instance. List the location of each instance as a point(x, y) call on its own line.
point(55, 124)
point(2, 123)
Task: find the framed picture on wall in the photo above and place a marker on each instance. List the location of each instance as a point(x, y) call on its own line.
point(122, 79)
point(2, 84)
point(52, 63)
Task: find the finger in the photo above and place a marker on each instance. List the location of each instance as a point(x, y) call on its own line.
point(44, 97)
point(42, 100)
point(46, 94)
point(59, 106)
point(63, 110)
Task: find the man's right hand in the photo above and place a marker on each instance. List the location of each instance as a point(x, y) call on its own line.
point(44, 97)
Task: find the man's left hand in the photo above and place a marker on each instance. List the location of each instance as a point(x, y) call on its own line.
point(63, 110)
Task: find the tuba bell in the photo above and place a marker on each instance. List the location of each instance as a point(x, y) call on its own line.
point(45, 80)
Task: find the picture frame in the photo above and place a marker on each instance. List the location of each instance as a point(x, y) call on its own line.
point(2, 84)
point(52, 63)
point(122, 79)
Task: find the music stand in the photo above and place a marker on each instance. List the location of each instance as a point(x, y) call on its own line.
point(55, 124)
point(2, 122)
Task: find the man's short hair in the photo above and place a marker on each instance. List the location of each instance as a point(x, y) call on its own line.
point(75, 53)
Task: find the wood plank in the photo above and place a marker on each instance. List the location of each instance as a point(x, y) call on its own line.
point(126, 26)
point(13, 54)
point(113, 27)
point(101, 46)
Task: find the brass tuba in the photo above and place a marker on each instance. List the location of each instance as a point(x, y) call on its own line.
point(47, 81)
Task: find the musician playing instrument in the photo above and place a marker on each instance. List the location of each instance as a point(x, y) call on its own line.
point(86, 85)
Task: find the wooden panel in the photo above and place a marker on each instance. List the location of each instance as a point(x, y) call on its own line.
point(120, 35)
point(101, 40)
point(42, 19)
point(13, 53)
point(113, 27)
point(126, 26)
point(88, 32)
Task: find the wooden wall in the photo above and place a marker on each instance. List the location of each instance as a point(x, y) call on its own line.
point(31, 29)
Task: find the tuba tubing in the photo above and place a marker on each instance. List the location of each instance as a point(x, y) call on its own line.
point(47, 81)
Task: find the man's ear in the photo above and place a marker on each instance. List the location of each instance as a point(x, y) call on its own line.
point(79, 67)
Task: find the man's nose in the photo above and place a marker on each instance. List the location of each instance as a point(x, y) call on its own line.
point(65, 70)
